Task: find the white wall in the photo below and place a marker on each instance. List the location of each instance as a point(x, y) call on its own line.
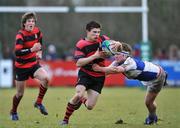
point(6, 73)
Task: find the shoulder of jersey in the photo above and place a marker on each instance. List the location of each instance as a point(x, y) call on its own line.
point(36, 29)
point(81, 43)
point(106, 37)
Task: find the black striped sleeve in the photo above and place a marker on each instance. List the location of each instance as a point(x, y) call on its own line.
point(22, 52)
point(19, 51)
point(78, 54)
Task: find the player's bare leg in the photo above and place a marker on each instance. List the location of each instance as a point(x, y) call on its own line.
point(42, 76)
point(74, 103)
point(92, 97)
point(151, 106)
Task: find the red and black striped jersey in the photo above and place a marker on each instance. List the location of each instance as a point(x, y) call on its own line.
point(25, 40)
point(85, 49)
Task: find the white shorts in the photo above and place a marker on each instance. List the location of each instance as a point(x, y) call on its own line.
point(156, 84)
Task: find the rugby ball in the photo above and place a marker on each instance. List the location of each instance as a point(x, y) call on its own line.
point(106, 47)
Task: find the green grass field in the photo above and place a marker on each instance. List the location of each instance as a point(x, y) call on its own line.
point(113, 104)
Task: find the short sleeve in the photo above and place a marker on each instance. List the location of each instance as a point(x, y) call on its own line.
point(129, 64)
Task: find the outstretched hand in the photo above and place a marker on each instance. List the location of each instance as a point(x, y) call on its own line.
point(107, 70)
point(111, 70)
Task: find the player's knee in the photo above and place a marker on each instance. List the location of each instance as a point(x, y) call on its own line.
point(90, 107)
point(19, 94)
point(148, 103)
point(45, 81)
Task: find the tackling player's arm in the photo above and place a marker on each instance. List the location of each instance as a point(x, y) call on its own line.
point(111, 69)
point(119, 68)
point(107, 70)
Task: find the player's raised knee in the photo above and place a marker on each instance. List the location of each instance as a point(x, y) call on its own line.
point(90, 106)
point(19, 94)
point(45, 81)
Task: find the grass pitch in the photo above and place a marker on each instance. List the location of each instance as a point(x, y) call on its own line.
point(114, 104)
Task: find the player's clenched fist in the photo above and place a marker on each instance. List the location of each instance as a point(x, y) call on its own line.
point(36, 47)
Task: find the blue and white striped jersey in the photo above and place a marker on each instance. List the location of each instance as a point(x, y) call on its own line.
point(140, 70)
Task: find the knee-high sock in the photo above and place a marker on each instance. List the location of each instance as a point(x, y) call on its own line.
point(15, 103)
point(69, 111)
point(83, 100)
point(42, 92)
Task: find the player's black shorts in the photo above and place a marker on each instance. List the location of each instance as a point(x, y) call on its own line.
point(90, 82)
point(22, 74)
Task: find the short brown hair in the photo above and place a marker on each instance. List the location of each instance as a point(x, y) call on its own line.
point(125, 47)
point(92, 24)
point(26, 16)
